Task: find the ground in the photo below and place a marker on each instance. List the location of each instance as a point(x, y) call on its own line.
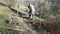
point(5, 12)
point(42, 26)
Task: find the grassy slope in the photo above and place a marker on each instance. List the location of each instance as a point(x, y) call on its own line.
point(2, 15)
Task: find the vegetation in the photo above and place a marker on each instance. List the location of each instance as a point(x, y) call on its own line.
point(49, 12)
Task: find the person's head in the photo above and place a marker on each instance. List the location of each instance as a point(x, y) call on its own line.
point(29, 5)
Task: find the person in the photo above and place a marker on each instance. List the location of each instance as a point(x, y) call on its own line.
point(31, 11)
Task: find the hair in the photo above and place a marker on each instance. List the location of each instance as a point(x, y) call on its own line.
point(29, 6)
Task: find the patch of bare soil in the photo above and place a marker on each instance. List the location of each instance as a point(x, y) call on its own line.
point(7, 10)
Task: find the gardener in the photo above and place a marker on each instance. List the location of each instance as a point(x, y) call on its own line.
point(31, 11)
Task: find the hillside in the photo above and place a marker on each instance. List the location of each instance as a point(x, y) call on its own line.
point(46, 23)
point(5, 12)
